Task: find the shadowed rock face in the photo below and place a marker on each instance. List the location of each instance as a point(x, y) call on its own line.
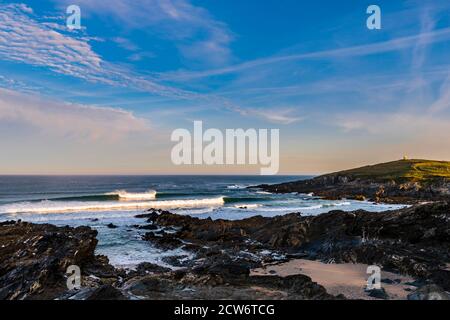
point(347, 187)
point(183, 285)
point(425, 224)
point(34, 258)
point(414, 240)
point(282, 231)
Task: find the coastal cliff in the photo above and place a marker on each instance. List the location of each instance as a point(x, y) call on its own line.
point(403, 181)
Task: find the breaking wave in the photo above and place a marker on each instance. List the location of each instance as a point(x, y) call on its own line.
point(236, 186)
point(61, 207)
point(118, 195)
point(124, 195)
point(247, 206)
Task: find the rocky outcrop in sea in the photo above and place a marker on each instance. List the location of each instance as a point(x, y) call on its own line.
point(414, 241)
point(342, 186)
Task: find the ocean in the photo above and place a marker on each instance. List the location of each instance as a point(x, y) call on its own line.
point(97, 201)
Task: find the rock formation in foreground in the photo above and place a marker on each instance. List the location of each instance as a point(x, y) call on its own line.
point(413, 241)
point(34, 259)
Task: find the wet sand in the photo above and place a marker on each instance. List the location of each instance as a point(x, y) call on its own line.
point(347, 279)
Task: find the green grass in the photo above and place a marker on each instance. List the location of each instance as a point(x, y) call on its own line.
point(402, 171)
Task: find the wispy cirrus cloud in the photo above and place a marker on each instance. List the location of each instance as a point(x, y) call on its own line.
point(276, 115)
point(126, 43)
point(25, 40)
point(68, 119)
point(442, 101)
point(137, 54)
point(406, 124)
point(427, 25)
point(396, 44)
point(193, 30)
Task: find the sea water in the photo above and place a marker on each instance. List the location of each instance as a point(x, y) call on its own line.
point(97, 201)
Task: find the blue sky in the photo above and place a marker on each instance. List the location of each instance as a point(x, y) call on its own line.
point(104, 99)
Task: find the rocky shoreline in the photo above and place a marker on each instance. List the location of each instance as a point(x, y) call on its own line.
point(335, 187)
point(413, 241)
point(401, 182)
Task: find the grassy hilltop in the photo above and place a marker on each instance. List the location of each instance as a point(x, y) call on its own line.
point(400, 171)
point(402, 181)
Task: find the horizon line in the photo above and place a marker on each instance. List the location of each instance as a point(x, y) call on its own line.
point(148, 174)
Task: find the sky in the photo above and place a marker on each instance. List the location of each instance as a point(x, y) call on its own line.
point(105, 99)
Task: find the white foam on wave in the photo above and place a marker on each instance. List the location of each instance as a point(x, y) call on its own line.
point(289, 209)
point(247, 206)
point(236, 186)
point(194, 211)
point(338, 204)
point(120, 257)
point(132, 196)
point(62, 207)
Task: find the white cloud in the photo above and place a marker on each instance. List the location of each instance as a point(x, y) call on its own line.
point(396, 44)
point(442, 102)
point(276, 115)
point(126, 44)
point(193, 30)
point(138, 56)
point(386, 136)
point(25, 40)
point(64, 119)
point(427, 25)
point(406, 124)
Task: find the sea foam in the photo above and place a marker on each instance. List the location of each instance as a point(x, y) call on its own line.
point(61, 207)
point(129, 196)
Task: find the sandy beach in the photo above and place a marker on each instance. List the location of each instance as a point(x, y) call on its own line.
point(346, 278)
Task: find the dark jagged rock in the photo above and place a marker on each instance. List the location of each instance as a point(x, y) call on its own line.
point(429, 292)
point(225, 266)
point(389, 281)
point(106, 292)
point(148, 227)
point(283, 231)
point(111, 226)
point(176, 261)
point(185, 285)
point(145, 268)
point(164, 241)
point(378, 293)
point(43, 252)
point(152, 214)
point(34, 259)
point(405, 181)
point(414, 240)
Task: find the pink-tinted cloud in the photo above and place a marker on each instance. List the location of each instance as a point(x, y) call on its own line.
point(65, 119)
